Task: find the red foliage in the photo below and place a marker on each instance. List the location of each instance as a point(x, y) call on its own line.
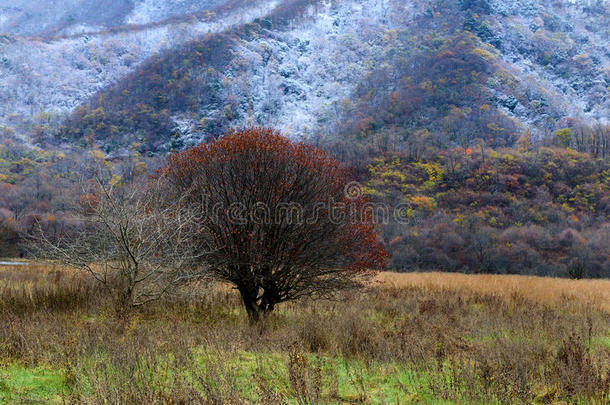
point(297, 233)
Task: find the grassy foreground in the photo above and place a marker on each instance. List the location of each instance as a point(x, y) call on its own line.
point(408, 338)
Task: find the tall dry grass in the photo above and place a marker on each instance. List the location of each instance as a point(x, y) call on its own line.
point(542, 290)
point(472, 339)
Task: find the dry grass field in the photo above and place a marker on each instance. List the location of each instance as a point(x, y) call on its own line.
point(426, 338)
point(542, 290)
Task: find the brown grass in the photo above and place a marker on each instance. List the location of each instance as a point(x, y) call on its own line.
point(542, 290)
point(474, 339)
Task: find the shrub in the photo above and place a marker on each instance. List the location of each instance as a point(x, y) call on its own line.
point(275, 216)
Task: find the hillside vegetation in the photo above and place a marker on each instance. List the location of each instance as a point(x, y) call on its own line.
point(488, 120)
point(528, 210)
point(500, 211)
point(305, 66)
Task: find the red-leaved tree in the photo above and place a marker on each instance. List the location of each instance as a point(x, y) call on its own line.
point(276, 216)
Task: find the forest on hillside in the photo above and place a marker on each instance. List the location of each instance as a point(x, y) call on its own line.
point(532, 208)
point(486, 121)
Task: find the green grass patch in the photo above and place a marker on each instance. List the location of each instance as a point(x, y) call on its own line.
point(601, 342)
point(30, 385)
point(336, 380)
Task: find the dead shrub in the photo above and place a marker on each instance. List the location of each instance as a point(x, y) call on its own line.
point(578, 372)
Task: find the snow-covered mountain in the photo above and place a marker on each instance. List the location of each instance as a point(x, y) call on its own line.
point(62, 17)
point(44, 77)
point(169, 74)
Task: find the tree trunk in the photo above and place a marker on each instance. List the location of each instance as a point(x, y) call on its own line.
point(124, 304)
point(257, 307)
point(268, 302)
point(252, 307)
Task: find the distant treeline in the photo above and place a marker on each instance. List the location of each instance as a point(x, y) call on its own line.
point(541, 208)
point(531, 209)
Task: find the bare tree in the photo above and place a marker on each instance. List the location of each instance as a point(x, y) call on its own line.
point(135, 245)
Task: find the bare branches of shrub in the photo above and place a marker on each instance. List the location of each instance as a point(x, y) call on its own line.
point(134, 244)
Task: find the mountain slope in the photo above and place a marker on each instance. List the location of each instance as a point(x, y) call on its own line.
point(307, 67)
point(64, 17)
point(44, 80)
point(482, 124)
point(460, 70)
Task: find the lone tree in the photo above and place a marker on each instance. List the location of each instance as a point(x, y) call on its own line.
point(275, 217)
point(135, 246)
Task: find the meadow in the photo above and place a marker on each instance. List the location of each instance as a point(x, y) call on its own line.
point(429, 338)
